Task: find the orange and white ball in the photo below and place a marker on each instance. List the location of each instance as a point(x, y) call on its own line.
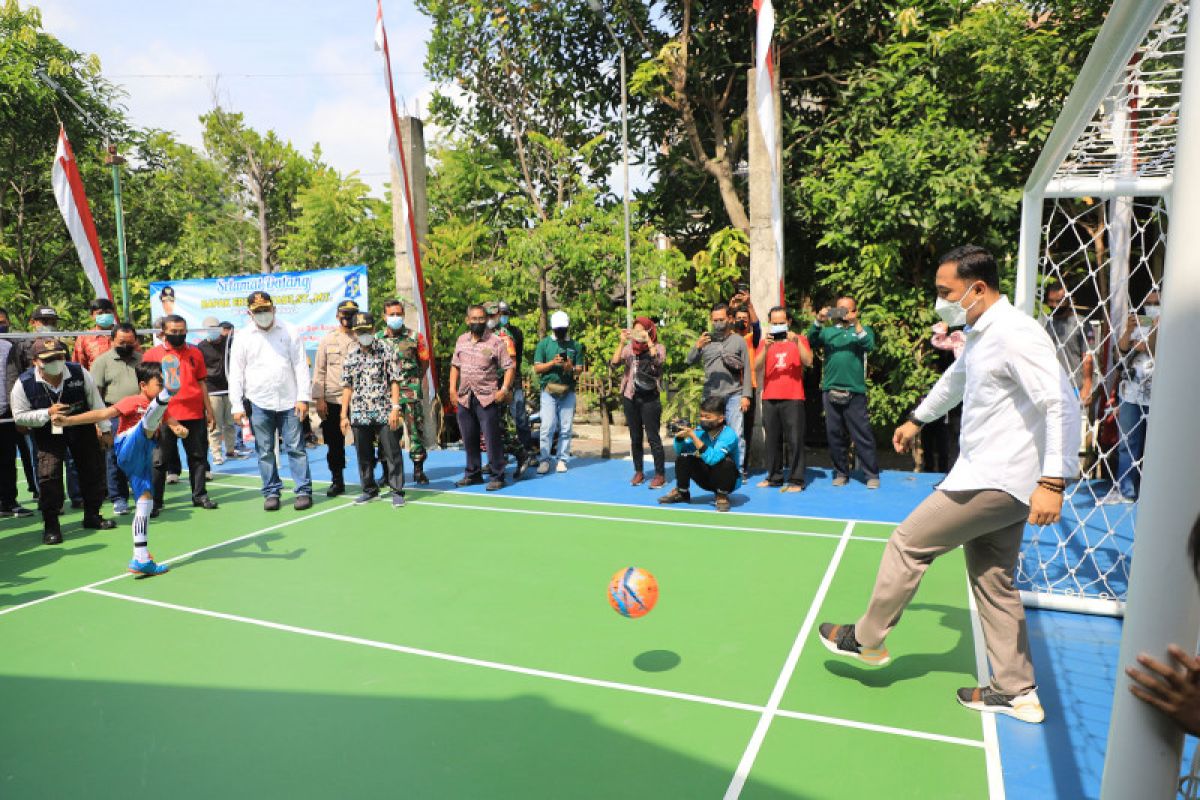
point(633, 592)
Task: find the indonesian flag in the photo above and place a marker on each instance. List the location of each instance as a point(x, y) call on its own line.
point(410, 226)
point(72, 202)
point(764, 100)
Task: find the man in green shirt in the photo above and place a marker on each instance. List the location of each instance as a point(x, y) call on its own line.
point(845, 342)
point(115, 378)
point(557, 361)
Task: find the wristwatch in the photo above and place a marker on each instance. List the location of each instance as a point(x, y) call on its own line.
point(912, 417)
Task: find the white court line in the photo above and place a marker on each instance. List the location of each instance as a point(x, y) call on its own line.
point(529, 671)
point(744, 766)
point(991, 742)
point(181, 557)
point(633, 520)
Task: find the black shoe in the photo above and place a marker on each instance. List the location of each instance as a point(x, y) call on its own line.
point(205, 503)
point(76, 504)
point(303, 502)
point(419, 476)
point(98, 523)
point(271, 503)
point(15, 510)
point(468, 480)
point(51, 533)
point(336, 488)
point(495, 484)
point(155, 511)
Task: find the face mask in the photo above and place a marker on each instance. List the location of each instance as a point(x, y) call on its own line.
point(720, 327)
point(105, 320)
point(395, 322)
point(503, 319)
point(214, 336)
point(953, 313)
point(45, 327)
point(53, 368)
point(741, 325)
point(365, 339)
point(345, 321)
point(175, 339)
point(264, 319)
point(4, 328)
point(478, 328)
point(711, 424)
point(1152, 311)
point(560, 333)
point(779, 330)
point(124, 350)
point(491, 323)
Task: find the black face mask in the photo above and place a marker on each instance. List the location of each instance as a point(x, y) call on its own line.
point(346, 320)
point(560, 333)
point(478, 328)
point(175, 339)
point(741, 325)
point(124, 350)
point(4, 328)
point(711, 424)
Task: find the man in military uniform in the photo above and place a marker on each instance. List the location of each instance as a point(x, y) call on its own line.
point(412, 354)
point(508, 426)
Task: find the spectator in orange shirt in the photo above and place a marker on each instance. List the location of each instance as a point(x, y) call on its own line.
point(90, 347)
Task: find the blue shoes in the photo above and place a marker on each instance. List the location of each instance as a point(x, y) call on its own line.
point(147, 568)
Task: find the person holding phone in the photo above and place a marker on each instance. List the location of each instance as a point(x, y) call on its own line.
point(557, 360)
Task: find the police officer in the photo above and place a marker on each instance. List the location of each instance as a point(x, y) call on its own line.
point(327, 391)
point(412, 360)
point(53, 385)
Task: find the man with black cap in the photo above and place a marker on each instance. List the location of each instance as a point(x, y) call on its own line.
point(327, 392)
point(370, 404)
point(53, 386)
point(268, 368)
point(90, 347)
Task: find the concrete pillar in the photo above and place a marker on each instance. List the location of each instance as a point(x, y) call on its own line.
point(412, 144)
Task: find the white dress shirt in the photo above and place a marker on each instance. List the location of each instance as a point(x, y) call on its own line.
point(268, 368)
point(1020, 419)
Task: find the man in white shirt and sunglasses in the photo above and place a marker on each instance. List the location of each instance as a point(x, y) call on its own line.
point(1019, 446)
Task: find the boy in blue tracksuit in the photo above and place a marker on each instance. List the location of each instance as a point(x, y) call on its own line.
point(708, 456)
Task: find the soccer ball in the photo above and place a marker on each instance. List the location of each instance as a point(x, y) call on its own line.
point(633, 592)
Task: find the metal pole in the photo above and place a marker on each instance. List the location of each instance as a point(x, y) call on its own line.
point(115, 161)
point(1144, 747)
point(625, 158)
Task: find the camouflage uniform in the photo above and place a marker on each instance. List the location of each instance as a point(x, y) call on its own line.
point(411, 349)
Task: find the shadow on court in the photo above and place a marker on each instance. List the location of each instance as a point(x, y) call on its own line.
point(128, 740)
point(910, 666)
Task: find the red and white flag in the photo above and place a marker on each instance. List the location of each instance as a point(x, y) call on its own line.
point(410, 226)
point(764, 102)
point(72, 202)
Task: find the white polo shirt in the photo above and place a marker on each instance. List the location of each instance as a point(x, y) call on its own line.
point(1020, 419)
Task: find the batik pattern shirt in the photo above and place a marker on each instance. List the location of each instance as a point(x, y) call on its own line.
point(369, 375)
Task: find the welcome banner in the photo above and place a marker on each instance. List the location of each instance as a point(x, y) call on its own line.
point(307, 300)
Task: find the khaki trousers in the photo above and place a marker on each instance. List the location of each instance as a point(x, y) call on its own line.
point(989, 524)
point(221, 438)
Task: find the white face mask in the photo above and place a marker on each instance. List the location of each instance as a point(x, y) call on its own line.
point(365, 339)
point(1152, 311)
point(952, 312)
point(778, 328)
point(264, 319)
point(53, 368)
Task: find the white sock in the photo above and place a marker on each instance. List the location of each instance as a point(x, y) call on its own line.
point(141, 528)
point(155, 412)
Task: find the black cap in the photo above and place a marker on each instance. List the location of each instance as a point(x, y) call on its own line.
point(167, 291)
point(347, 306)
point(48, 348)
point(44, 312)
point(101, 304)
point(259, 301)
point(227, 325)
point(364, 321)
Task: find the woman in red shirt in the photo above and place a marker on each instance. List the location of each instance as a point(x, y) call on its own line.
point(782, 356)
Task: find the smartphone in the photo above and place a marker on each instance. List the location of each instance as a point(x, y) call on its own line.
point(743, 287)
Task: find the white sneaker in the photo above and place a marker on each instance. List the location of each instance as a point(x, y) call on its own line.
point(1025, 707)
point(172, 477)
point(562, 467)
point(543, 468)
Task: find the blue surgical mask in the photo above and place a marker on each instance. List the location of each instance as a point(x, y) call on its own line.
point(503, 319)
point(395, 322)
point(214, 336)
point(106, 320)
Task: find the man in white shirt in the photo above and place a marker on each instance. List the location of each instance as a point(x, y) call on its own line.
point(267, 367)
point(1019, 446)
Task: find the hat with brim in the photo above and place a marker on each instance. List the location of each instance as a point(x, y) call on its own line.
point(347, 307)
point(49, 349)
point(364, 322)
point(44, 312)
point(259, 301)
point(210, 322)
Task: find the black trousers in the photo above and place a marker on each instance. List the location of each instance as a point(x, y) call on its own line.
point(474, 419)
point(81, 442)
point(195, 445)
point(8, 462)
point(393, 456)
point(721, 478)
point(335, 440)
point(28, 462)
point(847, 423)
point(939, 440)
point(748, 420)
point(783, 427)
point(644, 414)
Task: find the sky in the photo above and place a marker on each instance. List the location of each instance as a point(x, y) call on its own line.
point(304, 68)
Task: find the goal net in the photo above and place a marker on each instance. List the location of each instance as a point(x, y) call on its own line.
point(1094, 229)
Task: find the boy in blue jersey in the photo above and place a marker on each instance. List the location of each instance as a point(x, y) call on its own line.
point(708, 456)
point(140, 416)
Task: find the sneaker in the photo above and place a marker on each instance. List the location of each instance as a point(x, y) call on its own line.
point(172, 477)
point(767, 483)
point(840, 480)
point(562, 467)
point(675, 496)
point(366, 497)
point(638, 479)
point(839, 640)
point(873, 483)
point(242, 453)
point(658, 481)
point(1025, 707)
point(148, 568)
point(170, 373)
point(397, 501)
point(468, 480)
point(98, 523)
point(722, 502)
point(543, 468)
point(792, 487)
point(15, 510)
point(1114, 497)
point(120, 506)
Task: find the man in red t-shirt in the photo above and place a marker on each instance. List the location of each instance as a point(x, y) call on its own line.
point(190, 407)
point(782, 356)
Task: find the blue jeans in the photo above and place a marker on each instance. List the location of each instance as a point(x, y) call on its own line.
point(118, 483)
point(1131, 421)
point(266, 425)
point(558, 416)
point(733, 418)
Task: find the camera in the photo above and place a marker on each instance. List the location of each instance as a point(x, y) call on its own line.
point(837, 314)
point(679, 426)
